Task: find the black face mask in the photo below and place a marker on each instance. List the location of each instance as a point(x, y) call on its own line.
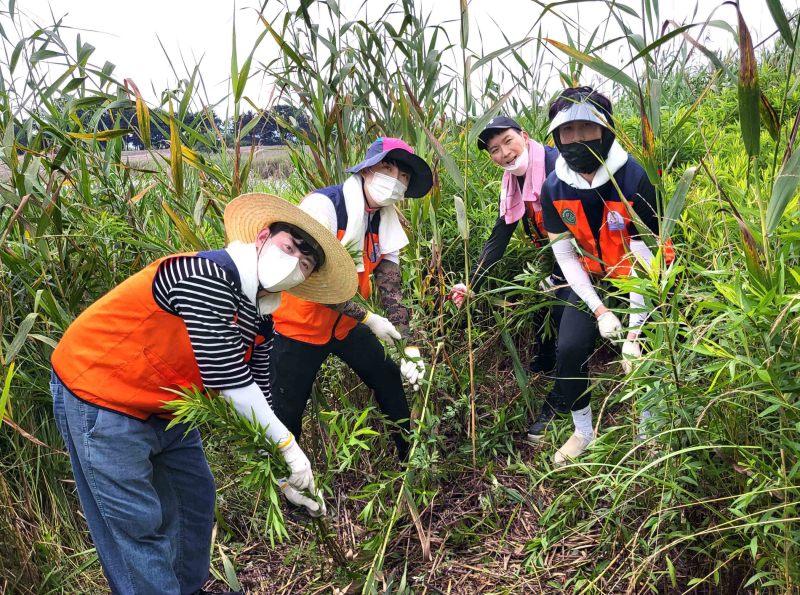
point(587, 156)
point(583, 157)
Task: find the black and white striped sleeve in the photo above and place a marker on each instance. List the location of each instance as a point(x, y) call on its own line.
point(197, 290)
point(260, 359)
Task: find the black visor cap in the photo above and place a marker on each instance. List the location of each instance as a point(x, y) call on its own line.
point(495, 124)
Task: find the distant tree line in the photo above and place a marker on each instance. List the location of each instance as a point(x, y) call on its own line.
point(266, 132)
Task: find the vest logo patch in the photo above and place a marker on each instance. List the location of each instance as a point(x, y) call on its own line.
point(569, 217)
point(615, 221)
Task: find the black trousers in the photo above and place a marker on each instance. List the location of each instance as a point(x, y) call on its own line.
point(577, 334)
point(546, 358)
point(294, 366)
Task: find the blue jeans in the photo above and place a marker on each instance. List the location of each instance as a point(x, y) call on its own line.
point(147, 495)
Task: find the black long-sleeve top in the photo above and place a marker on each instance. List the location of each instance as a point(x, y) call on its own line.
point(496, 245)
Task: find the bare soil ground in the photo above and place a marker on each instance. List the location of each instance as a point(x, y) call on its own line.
point(471, 539)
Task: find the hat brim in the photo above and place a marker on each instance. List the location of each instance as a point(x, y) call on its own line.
point(421, 174)
point(483, 137)
point(579, 111)
point(335, 282)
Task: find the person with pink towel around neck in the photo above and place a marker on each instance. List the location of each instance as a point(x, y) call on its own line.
point(527, 164)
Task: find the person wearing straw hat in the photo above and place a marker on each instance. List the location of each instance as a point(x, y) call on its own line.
point(582, 206)
point(200, 319)
point(361, 214)
point(526, 164)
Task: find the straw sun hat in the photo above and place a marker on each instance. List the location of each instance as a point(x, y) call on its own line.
point(334, 282)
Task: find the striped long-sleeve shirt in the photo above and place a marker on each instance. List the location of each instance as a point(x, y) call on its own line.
point(231, 342)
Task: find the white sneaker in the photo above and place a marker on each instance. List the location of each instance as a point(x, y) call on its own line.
point(572, 449)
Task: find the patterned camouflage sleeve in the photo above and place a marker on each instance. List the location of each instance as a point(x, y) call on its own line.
point(390, 282)
point(349, 308)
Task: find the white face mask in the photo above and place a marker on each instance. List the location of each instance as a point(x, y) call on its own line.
point(385, 190)
point(278, 271)
point(520, 165)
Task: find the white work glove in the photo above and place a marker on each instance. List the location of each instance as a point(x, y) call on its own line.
point(314, 507)
point(412, 371)
point(631, 350)
point(609, 325)
point(458, 294)
point(302, 477)
point(382, 328)
point(547, 283)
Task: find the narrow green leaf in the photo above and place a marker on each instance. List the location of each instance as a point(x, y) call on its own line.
point(596, 64)
point(244, 73)
point(648, 144)
point(183, 106)
point(751, 255)
point(45, 95)
point(85, 51)
point(671, 570)
point(285, 48)
point(101, 135)
point(74, 84)
point(776, 10)
point(85, 102)
point(520, 375)
point(230, 571)
point(197, 214)
point(176, 156)
point(770, 118)
point(251, 124)
point(647, 51)
point(707, 53)
point(40, 55)
point(489, 57)
point(481, 122)
point(447, 160)
point(464, 24)
point(676, 203)
point(749, 94)
point(46, 340)
point(186, 233)
point(19, 339)
point(15, 55)
point(234, 61)
point(6, 391)
point(783, 191)
point(461, 218)
point(655, 105)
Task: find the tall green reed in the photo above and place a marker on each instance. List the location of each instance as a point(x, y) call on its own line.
point(708, 497)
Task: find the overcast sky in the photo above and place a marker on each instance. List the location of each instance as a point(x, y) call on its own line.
point(127, 34)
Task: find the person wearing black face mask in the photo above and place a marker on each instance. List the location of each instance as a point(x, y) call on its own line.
point(581, 203)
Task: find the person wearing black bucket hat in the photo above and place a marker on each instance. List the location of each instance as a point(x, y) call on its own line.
point(362, 216)
point(582, 203)
point(526, 164)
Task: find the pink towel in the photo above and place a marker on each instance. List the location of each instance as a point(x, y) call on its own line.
point(512, 200)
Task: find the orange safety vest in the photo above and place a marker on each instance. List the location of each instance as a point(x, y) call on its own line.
point(533, 221)
point(608, 247)
point(314, 323)
point(124, 350)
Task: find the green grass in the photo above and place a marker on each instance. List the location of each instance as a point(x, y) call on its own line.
point(706, 504)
